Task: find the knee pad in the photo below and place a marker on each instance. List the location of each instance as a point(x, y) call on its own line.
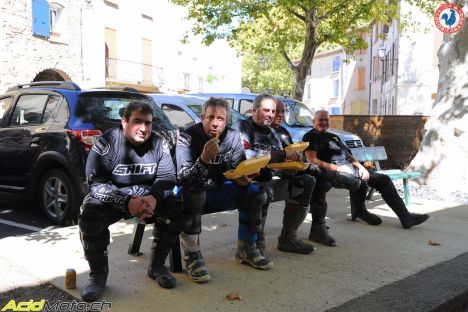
point(254, 214)
point(193, 201)
point(257, 195)
point(90, 219)
point(170, 213)
point(302, 197)
point(308, 181)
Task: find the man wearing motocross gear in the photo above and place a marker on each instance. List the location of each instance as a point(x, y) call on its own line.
point(204, 152)
point(296, 190)
point(130, 173)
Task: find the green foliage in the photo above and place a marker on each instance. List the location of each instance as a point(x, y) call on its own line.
point(294, 29)
point(267, 73)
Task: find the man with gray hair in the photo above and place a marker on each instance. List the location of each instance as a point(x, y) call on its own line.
point(204, 152)
point(296, 190)
point(327, 151)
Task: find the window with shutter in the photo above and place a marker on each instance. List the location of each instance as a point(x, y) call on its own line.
point(336, 64)
point(41, 18)
point(360, 81)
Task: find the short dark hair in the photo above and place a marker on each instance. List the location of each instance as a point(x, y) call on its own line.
point(137, 106)
point(216, 102)
point(259, 98)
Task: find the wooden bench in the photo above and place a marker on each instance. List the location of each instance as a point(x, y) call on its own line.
point(377, 153)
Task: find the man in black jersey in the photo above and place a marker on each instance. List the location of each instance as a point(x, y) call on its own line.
point(130, 173)
point(327, 151)
point(204, 152)
point(325, 180)
point(259, 138)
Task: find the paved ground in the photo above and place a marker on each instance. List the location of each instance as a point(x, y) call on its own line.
point(373, 268)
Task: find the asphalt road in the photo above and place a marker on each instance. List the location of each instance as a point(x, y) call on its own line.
point(20, 215)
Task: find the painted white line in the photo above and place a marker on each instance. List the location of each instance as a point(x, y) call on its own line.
point(23, 226)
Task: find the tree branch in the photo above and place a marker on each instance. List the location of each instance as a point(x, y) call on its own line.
point(299, 16)
point(288, 60)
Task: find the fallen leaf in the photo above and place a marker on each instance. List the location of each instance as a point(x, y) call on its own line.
point(233, 296)
point(431, 243)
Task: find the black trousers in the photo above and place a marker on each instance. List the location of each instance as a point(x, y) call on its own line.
point(94, 220)
point(380, 182)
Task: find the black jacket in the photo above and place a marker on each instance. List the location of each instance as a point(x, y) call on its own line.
point(328, 146)
point(117, 170)
point(192, 172)
point(258, 141)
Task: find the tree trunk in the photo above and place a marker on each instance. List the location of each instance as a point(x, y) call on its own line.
point(302, 69)
point(443, 155)
point(300, 75)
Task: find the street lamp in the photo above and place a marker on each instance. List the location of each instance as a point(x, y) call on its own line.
point(384, 58)
point(381, 52)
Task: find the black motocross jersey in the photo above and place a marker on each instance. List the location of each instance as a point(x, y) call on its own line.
point(259, 141)
point(328, 146)
point(117, 170)
point(284, 136)
point(192, 173)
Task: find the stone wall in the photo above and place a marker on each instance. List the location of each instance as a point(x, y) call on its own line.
point(401, 135)
point(24, 55)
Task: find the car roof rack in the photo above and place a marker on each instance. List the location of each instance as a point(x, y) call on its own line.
point(68, 85)
point(123, 88)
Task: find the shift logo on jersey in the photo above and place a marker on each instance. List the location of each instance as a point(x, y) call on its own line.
point(101, 146)
point(134, 169)
point(116, 199)
point(221, 158)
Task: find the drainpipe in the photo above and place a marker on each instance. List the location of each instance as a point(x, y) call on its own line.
point(370, 71)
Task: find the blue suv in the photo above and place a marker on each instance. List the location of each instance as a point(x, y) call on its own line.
point(46, 132)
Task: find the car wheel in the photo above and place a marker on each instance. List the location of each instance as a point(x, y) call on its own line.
point(58, 197)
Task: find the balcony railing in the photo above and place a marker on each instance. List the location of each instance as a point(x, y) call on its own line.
point(138, 72)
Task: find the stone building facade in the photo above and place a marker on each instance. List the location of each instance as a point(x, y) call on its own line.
point(97, 43)
point(26, 56)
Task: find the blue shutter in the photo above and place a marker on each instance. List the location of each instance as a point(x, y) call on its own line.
point(41, 18)
point(336, 111)
point(336, 64)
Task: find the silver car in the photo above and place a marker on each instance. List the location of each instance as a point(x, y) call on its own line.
point(184, 111)
point(298, 119)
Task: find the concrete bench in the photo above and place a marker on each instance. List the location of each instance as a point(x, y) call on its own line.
point(377, 153)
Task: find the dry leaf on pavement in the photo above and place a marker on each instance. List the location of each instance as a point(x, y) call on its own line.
point(432, 243)
point(233, 296)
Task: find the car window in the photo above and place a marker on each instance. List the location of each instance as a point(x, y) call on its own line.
point(178, 117)
point(4, 104)
point(245, 107)
point(231, 102)
point(197, 109)
point(297, 114)
point(50, 108)
point(235, 117)
point(108, 106)
point(28, 110)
